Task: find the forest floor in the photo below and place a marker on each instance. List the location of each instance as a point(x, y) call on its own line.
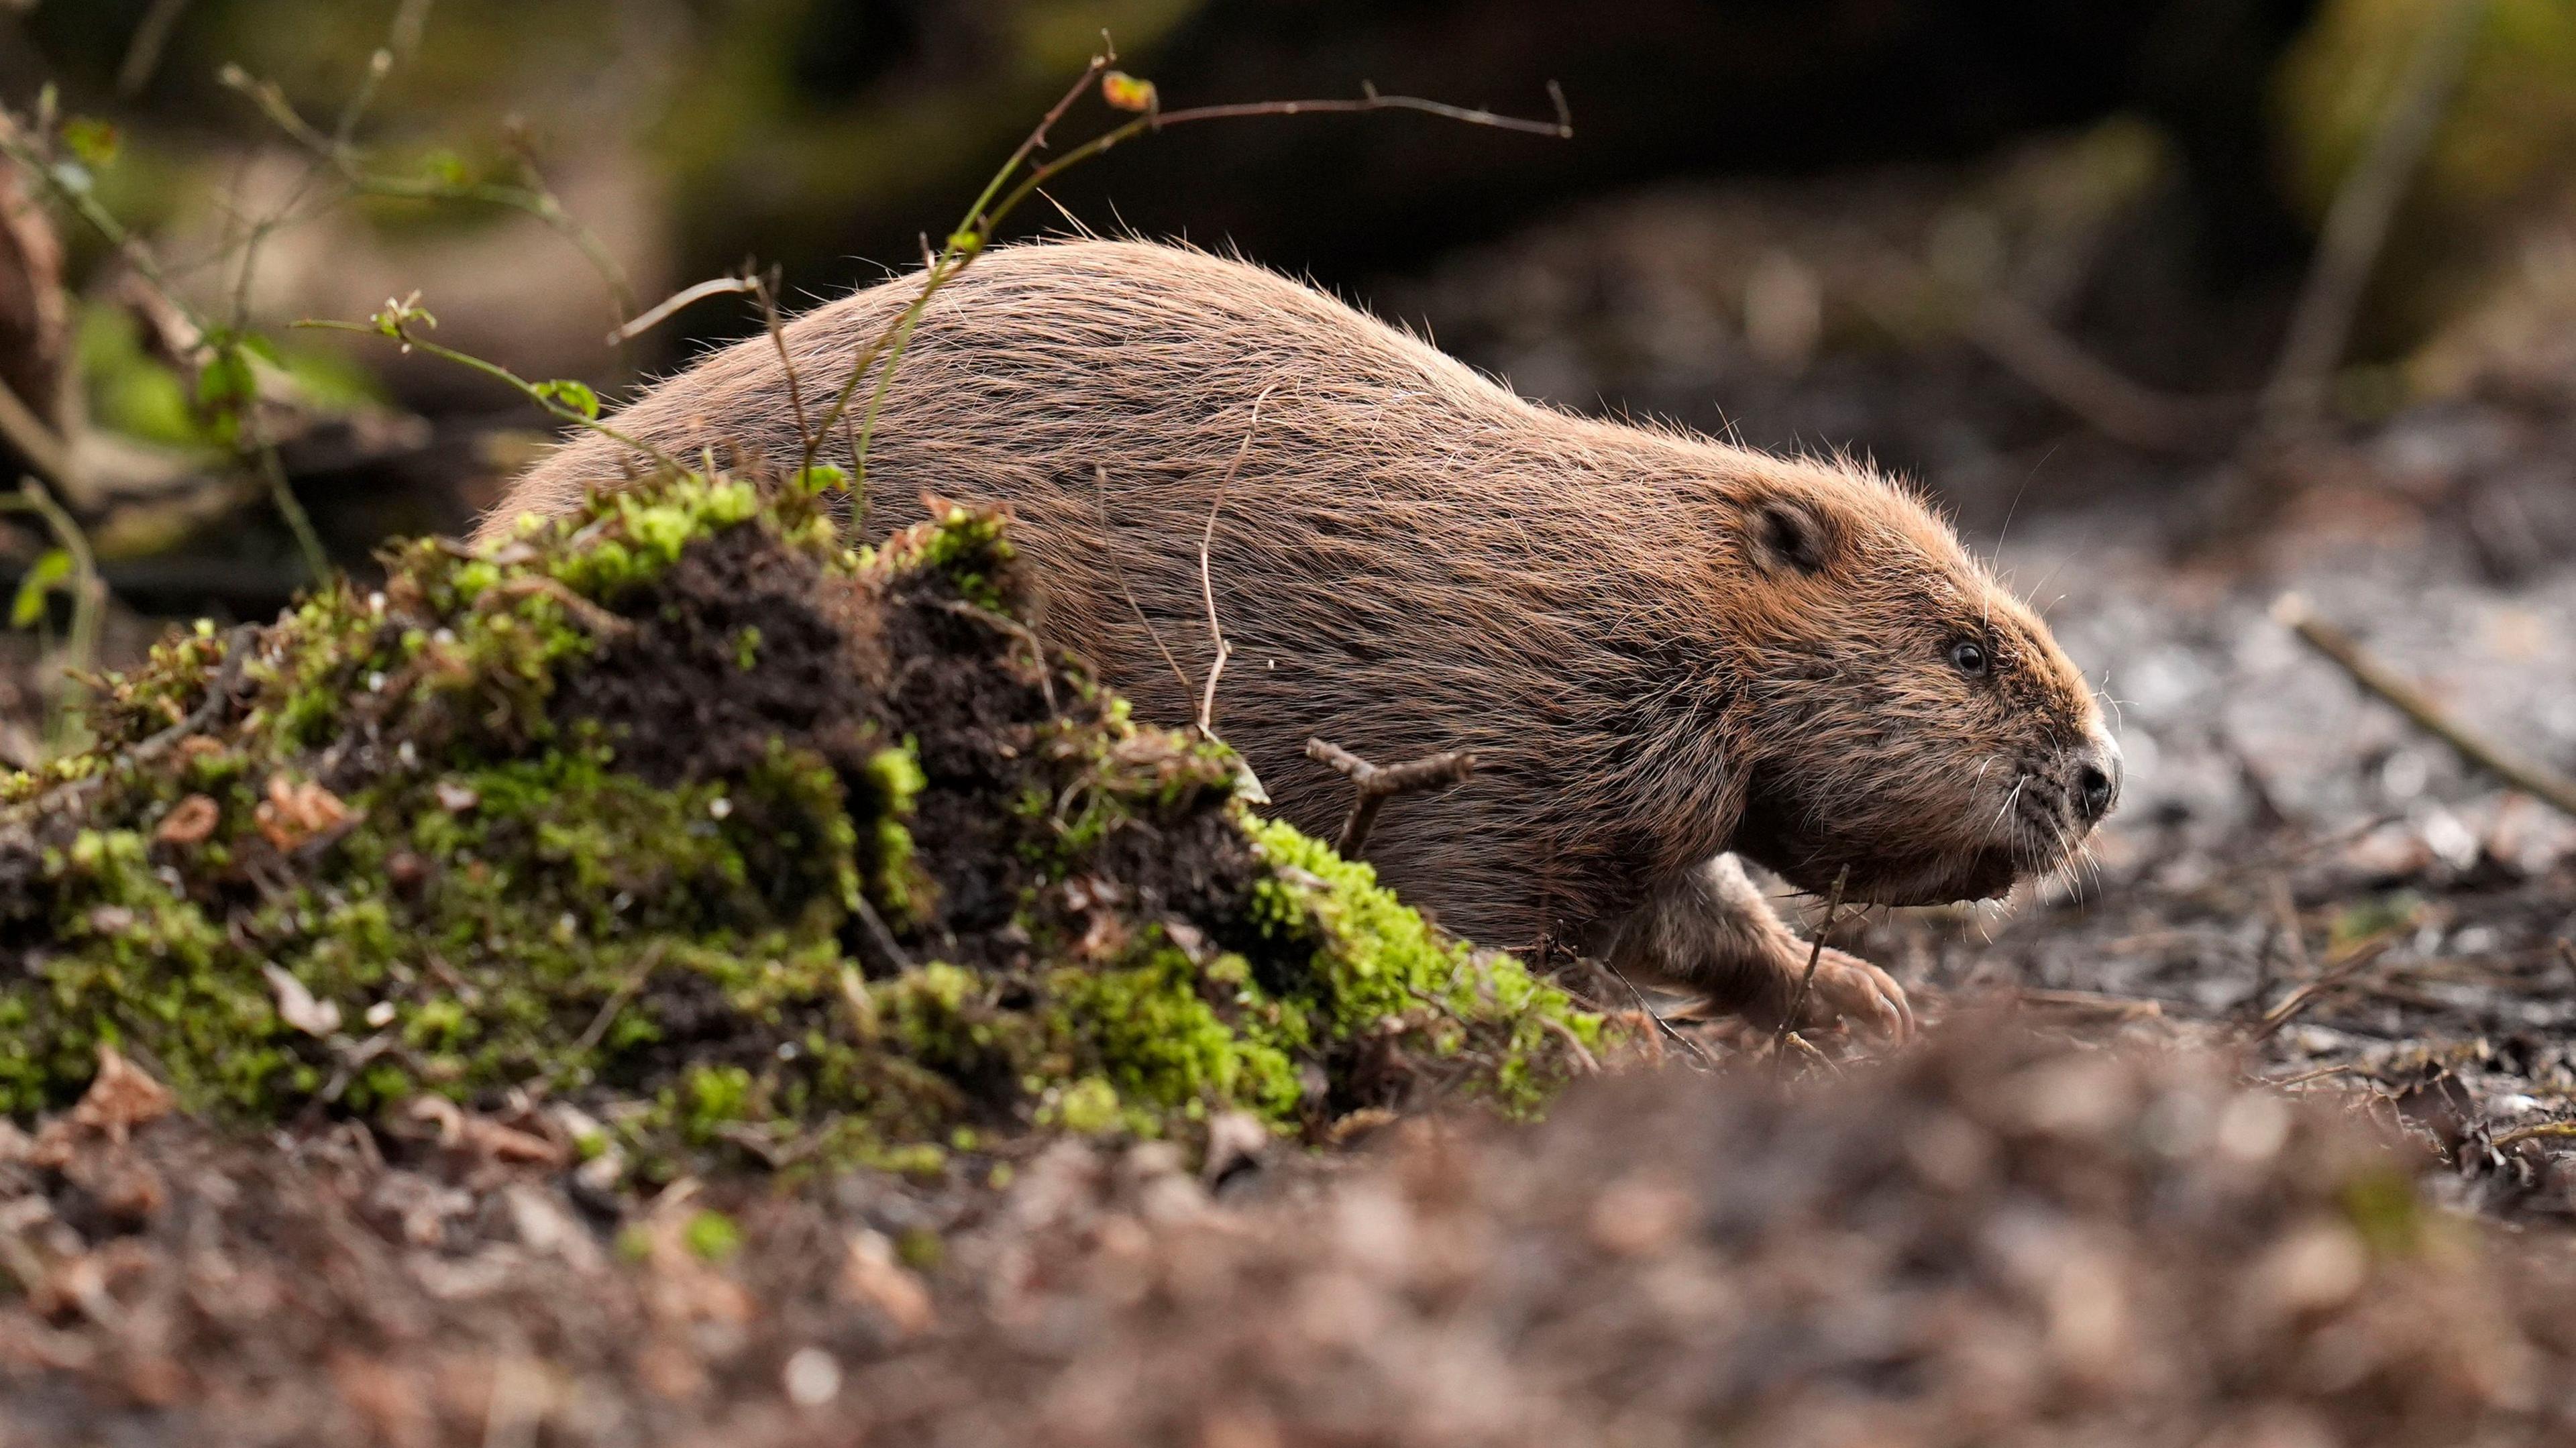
point(2248, 1133)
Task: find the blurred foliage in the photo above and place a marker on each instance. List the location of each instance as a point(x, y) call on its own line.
point(2472, 250)
point(2512, 125)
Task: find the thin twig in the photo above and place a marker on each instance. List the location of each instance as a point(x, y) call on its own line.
point(1662, 1026)
point(880, 935)
point(1207, 585)
point(677, 302)
point(1374, 785)
point(2534, 1132)
point(2345, 1068)
point(219, 694)
point(535, 200)
point(396, 323)
point(1015, 629)
point(1815, 954)
point(2336, 974)
point(35, 440)
point(89, 598)
point(1562, 128)
point(2105, 399)
point(597, 1030)
point(1100, 502)
point(589, 615)
point(765, 290)
point(2525, 774)
point(1583, 1057)
point(2085, 1000)
point(2357, 224)
point(143, 52)
point(271, 467)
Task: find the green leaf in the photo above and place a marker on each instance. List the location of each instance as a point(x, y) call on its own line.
point(821, 478)
point(46, 576)
point(261, 348)
point(447, 168)
point(96, 142)
point(575, 396)
point(227, 380)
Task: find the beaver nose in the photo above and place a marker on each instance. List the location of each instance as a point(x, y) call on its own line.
point(2097, 779)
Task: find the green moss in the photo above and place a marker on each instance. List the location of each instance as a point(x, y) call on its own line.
point(481, 890)
point(1377, 960)
point(712, 1235)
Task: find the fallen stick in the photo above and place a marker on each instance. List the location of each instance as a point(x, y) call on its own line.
point(2480, 752)
point(2337, 974)
point(1375, 785)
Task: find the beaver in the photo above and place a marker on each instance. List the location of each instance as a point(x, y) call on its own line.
point(1664, 652)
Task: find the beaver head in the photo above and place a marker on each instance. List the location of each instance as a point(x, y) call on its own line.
point(1899, 713)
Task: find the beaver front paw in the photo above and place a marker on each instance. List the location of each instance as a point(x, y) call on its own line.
point(1848, 991)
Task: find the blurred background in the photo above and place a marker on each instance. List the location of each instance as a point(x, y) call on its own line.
point(1957, 237)
point(2199, 294)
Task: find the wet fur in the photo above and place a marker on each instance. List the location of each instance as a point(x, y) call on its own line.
point(1659, 647)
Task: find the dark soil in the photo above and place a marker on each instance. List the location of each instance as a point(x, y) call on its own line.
point(1997, 1236)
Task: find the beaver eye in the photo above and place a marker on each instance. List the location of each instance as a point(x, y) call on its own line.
point(1969, 657)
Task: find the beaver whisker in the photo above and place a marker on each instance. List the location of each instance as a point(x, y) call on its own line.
point(2005, 808)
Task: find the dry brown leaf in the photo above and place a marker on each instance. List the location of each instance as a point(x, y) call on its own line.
point(296, 812)
point(189, 821)
point(871, 1275)
point(120, 1097)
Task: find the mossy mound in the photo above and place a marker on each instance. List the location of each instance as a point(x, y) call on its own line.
point(737, 839)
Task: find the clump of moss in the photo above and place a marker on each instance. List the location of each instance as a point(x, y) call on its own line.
point(742, 840)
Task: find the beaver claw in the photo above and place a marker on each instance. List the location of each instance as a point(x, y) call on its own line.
point(1850, 991)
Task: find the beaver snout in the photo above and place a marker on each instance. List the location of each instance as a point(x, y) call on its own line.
point(2098, 771)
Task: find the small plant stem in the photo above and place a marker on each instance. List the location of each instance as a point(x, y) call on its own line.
point(501, 374)
point(89, 603)
point(281, 493)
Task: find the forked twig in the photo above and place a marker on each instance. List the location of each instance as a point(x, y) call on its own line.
point(1375, 785)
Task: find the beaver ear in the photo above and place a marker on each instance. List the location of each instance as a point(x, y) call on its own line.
point(1788, 537)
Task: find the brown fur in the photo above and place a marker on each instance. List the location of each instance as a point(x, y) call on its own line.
point(1659, 647)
